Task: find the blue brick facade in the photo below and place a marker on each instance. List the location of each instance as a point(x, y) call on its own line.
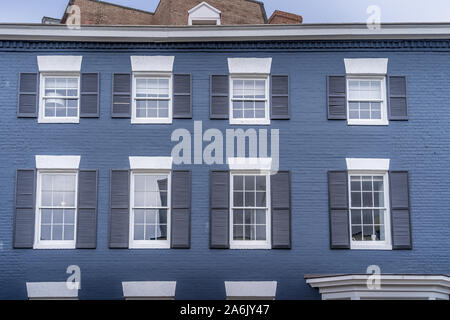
point(310, 145)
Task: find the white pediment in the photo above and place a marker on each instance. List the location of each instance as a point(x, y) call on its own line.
point(204, 12)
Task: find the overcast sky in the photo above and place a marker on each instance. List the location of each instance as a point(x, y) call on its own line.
point(313, 11)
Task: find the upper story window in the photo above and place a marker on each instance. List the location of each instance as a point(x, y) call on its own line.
point(59, 89)
point(56, 209)
point(368, 208)
point(150, 210)
point(367, 100)
point(250, 211)
point(366, 91)
point(60, 97)
point(369, 204)
point(249, 100)
point(249, 90)
point(56, 202)
point(152, 99)
point(152, 89)
point(204, 14)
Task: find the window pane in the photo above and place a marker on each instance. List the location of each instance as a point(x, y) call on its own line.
point(238, 232)
point(367, 217)
point(238, 216)
point(46, 232)
point(356, 216)
point(260, 232)
point(250, 183)
point(250, 199)
point(46, 216)
point(238, 199)
point(139, 216)
point(57, 232)
point(356, 233)
point(238, 183)
point(68, 232)
point(138, 232)
point(260, 199)
point(260, 216)
point(356, 199)
point(368, 233)
point(58, 216)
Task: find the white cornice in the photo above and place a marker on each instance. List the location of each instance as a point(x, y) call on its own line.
point(223, 33)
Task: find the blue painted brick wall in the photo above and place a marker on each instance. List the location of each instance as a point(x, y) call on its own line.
point(310, 146)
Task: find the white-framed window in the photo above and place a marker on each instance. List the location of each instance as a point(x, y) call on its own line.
point(249, 100)
point(150, 209)
point(250, 210)
point(59, 97)
point(369, 210)
point(366, 102)
point(56, 209)
point(152, 98)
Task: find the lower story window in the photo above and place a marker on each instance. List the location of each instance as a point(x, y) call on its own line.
point(150, 213)
point(250, 215)
point(369, 211)
point(56, 209)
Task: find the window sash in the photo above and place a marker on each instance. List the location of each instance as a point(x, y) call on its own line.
point(370, 244)
point(234, 98)
point(157, 243)
point(54, 244)
point(250, 244)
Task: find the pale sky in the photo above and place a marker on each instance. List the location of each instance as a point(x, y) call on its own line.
point(313, 11)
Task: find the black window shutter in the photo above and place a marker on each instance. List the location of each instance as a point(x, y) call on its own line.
point(337, 101)
point(339, 215)
point(87, 209)
point(120, 215)
point(400, 210)
point(24, 209)
point(28, 95)
point(281, 210)
point(89, 96)
point(182, 96)
point(121, 107)
point(181, 209)
point(220, 213)
point(220, 103)
point(398, 104)
point(280, 97)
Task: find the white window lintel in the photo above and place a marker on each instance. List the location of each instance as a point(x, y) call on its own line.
point(253, 289)
point(59, 63)
point(366, 164)
point(151, 163)
point(162, 64)
point(371, 66)
point(249, 66)
point(149, 289)
point(58, 162)
point(250, 164)
point(51, 290)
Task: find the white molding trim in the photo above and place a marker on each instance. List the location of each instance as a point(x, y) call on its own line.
point(224, 33)
point(149, 289)
point(204, 12)
point(249, 66)
point(151, 163)
point(354, 287)
point(251, 289)
point(58, 162)
point(366, 66)
point(250, 164)
point(152, 63)
point(366, 164)
point(59, 63)
point(50, 290)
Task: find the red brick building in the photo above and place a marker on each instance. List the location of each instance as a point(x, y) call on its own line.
point(180, 12)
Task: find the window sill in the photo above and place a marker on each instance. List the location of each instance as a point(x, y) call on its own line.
point(370, 246)
point(250, 246)
point(263, 122)
point(151, 121)
point(367, 123)
point(55, 246)
point(59, 120)
point(149, 245)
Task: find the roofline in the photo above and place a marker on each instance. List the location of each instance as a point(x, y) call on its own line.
point(340, 31)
